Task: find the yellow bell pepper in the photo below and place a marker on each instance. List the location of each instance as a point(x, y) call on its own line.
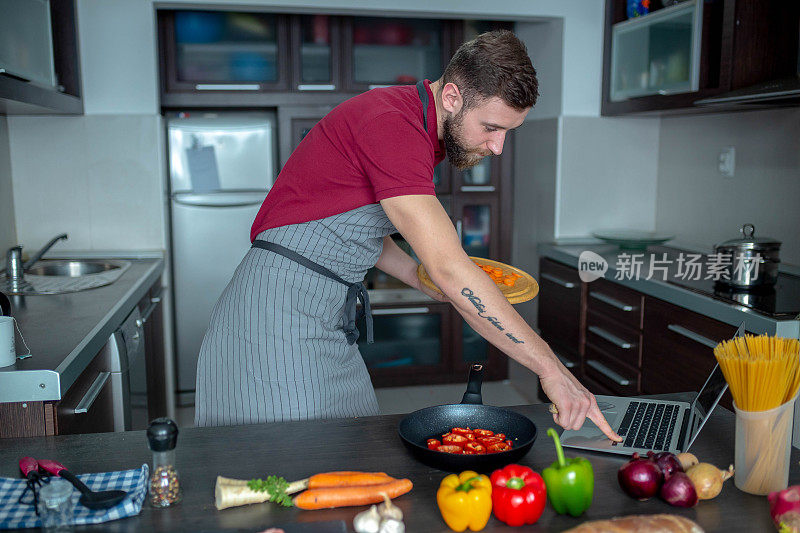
point(465, 500)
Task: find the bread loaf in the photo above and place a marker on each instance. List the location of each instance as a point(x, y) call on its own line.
point(656, 523)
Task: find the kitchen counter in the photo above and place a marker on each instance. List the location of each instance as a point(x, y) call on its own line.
point(296, 450)
point(65, 331)
point(728, 313)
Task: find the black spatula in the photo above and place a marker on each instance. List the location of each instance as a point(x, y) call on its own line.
point(89, 498)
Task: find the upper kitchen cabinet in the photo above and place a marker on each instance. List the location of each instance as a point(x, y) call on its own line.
point(223, 51)
point(316, 41)
point(39, 65)
point(690, 53)
point(391, 51)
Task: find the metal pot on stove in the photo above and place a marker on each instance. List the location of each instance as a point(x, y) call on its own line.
point(753, 261)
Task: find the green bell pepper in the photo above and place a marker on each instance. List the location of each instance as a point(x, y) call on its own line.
point(570, 482)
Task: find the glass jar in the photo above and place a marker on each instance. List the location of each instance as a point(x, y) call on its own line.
point(55, 504)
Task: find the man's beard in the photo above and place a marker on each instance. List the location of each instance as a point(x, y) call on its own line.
point(458, 154)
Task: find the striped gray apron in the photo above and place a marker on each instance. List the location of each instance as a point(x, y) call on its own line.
point(276, 347)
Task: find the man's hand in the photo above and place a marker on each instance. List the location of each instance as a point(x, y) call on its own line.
point(574, 403)
point(436, 295)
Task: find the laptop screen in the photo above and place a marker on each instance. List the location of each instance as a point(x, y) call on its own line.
point(715, 385)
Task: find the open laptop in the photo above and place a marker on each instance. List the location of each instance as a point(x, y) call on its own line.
point(646, 424)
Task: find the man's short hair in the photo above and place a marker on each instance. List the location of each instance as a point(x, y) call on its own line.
point(495, 63)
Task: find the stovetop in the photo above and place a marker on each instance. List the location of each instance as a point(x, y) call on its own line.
point(782, 301)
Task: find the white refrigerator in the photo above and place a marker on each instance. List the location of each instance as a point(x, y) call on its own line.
point(221, 167)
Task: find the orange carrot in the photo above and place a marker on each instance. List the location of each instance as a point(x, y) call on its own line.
point(347, 479)
point(327, 498)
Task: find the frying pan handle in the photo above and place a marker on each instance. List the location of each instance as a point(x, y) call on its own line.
point(473, 394)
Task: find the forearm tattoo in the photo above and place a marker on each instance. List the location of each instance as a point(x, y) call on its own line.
point(474, 300)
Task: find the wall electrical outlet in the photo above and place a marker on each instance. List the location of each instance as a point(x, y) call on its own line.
point(727, 161)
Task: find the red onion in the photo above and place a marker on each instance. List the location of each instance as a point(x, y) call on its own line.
point(679, 491)
point(667, 462)
point(784, 507)
point(640, 478)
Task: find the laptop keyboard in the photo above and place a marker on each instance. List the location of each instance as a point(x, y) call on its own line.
point(648, 425)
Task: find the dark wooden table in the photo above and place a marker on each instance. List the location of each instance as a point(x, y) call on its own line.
point(298, 449)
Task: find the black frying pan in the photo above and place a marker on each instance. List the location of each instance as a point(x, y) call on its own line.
point(431, 422)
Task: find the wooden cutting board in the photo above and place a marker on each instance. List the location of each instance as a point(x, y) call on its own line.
point(524, 289)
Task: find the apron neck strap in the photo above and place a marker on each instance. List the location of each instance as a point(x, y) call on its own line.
point(423, 96)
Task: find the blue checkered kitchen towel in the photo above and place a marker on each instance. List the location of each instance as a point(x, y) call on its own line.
point(14, 515)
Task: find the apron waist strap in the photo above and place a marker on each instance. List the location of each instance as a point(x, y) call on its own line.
point(356, 292)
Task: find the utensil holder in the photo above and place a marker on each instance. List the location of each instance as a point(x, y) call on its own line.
point(762, 450)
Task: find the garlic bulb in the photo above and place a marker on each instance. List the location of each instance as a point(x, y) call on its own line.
point(389, 510)
point(368, 521)
point(390, 525)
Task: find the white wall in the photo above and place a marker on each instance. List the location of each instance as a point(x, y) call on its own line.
point(119, 57)
point(98, 178)
point(607, 178)
point(545, 43)
point(8, 232)
point(701, 207)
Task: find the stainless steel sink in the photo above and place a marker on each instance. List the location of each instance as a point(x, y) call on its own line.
point(72, 268)
point(59, 276)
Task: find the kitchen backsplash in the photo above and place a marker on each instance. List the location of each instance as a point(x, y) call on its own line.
point(700, 206)
point(99, 178)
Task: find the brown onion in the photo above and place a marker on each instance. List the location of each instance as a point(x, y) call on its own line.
point(707, 479)
point(687, 460)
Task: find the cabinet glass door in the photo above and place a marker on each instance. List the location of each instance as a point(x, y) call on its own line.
point(384, 51)
point(215, 50)
point(474, 348)
point(483, 177)
point(405, 336)
point(658, 53)
point(478, 225)
point(441, 178)
point(317, 36)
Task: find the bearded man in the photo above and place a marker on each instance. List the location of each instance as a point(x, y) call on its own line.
point(281, 344)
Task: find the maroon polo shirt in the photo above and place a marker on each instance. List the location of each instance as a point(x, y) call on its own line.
point(371, 147)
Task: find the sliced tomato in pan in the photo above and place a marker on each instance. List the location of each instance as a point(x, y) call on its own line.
point(450, 448)
point(458, 440)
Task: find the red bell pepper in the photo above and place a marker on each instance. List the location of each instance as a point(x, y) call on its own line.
point(518, 495)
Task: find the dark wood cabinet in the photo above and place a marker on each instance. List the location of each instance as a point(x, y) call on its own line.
point(613, 337)
point(561, 295)
point(380, 51)
point(625, 342)
point(739, 44)
point(678, 349)
point(88, 405)
point(93, 402)
point(18, 96)
point(223, 51)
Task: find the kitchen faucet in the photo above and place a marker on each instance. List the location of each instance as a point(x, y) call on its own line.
point(15, 269)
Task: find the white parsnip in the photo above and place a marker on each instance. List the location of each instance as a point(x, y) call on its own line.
point(235, 492)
